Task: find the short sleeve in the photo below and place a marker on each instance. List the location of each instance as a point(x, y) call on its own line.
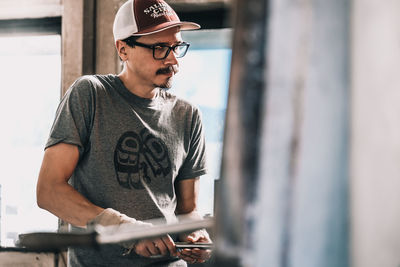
point(74, 116)
point(195, 162)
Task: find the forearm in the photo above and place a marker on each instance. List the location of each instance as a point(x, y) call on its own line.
point(65, 202)
point(187, 192)
point(189, 215)
point(53, 191)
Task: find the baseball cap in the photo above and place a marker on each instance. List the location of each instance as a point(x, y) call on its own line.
point(143, 17)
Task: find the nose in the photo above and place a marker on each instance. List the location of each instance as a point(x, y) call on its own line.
point(171, 59)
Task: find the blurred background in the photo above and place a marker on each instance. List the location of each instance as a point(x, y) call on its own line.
point(300, 103)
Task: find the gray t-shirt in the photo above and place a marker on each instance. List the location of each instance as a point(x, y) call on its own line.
point(132, 152)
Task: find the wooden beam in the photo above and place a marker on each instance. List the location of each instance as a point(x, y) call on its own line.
point(78, 40)
point(107, 60)
point(72, 40)
point(37, 26)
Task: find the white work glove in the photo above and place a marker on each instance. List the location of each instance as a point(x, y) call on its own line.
point(111, 217)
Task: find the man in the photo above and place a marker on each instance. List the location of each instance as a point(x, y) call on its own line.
point(130, 150)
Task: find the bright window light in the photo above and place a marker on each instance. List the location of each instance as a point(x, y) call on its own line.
point(203, 79)
point(30, 71)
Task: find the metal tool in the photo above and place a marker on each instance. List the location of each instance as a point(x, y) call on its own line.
point(50, 241)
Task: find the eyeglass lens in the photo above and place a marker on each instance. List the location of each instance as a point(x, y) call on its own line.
point(161, 52)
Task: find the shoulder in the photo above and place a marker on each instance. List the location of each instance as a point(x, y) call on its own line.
point(91, 81)
point(89, 85)
point(181, 104)
point(81, 85)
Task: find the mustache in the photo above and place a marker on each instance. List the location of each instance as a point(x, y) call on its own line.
point(168, 70)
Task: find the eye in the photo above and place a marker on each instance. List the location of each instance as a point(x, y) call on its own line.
point(160, 47)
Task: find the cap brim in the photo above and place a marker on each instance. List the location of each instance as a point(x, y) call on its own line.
point(183, 25)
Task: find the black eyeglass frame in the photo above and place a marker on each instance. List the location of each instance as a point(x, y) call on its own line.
point(132, 43)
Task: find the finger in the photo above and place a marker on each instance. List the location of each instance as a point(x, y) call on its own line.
point(200, 251)
point(193, 237)
point(197, 251)
point(203, 239)
point(199, 236)
point(185, 255)
point(169, 243)
point(162, 248)
point(186, 252)
point(142, 250)
point(200, 255)
point(187, 258)
point(151, 246)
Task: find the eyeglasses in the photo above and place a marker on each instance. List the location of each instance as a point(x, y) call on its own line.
point(161, 51)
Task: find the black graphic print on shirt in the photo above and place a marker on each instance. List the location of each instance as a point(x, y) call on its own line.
point(140, 158)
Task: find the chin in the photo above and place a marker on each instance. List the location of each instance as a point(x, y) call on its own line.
point(167, 85)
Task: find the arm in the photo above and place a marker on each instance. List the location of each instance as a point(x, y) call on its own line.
point(58, 197)
point(187, 194)
point(53, 191)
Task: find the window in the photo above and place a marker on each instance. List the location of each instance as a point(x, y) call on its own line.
point(203, 80)
point(30, 69)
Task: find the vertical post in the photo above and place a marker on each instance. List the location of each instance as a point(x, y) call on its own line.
point(89, 37)
point(72, 42)
point(107, 60)
point(78, 40)
point(283, 194)
point(242, 133)
point(302, 198)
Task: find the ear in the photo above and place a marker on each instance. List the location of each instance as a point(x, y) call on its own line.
point(121, 49)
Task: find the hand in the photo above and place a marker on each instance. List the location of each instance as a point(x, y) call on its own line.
point(195, 255)
point(155, 247)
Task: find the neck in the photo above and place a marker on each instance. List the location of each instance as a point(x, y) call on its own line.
point(135, 87)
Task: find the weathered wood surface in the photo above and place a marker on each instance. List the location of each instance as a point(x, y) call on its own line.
point(31, 259)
